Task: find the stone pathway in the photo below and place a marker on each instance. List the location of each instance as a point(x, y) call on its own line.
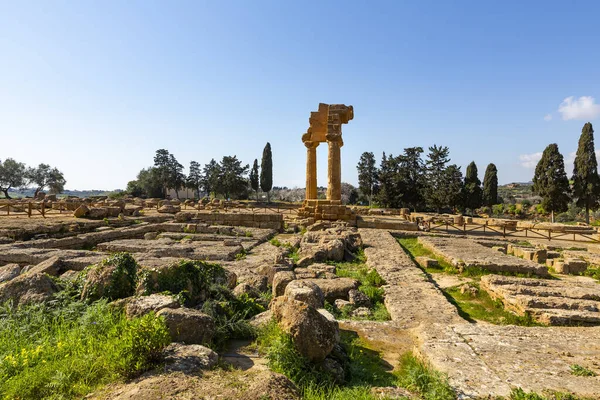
point(480, 359)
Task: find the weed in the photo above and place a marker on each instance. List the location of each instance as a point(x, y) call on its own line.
point(249, 234)
point(415, 375)
point(275, 242)
point(241, 255)
point(578, 370)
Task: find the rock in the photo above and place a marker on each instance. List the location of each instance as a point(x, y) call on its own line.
point(272, 386)
point(258, 282)
point(570, 266)
point(305, 291)
point(393, 392)
point(114, 278)
point(361, 312)
point(312, 333)
point(335, 369)
point(270, 270)
point(262, 319)
point(169, 209)
point(188, 325)
point(335, 250)
point(141, 305)
point(246, 289)
point(340, 304)
point(500, 249)
point(189, 358)
point(281, 280)
point(98, 212)
point(52, 266)
point(305, 261)
point(468, 289)
point(182, 216)
point(336, 288)
point(81, 211)
point(358, 298)
point(28, 289)
point(9, 272)
point(150, 235)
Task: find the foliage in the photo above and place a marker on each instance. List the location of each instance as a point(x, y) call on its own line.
point(444, 183)
point(64, 350)
point(414, 249)
point(12, 175)
point(194, 178)
point(147, 184)
point(254, 178)
point(232, 182)
point(550, 180)
point(586, 182)
point(416, 375)
point(43, 176)
point(123, 279)
point(169, 170)
point(490, 186)
point(190, 280)
point(367, 176)
point(472, 188)
point(210, 176)
point(578, 370)
point(266, 171)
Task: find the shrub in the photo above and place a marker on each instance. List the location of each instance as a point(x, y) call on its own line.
point(114, 278)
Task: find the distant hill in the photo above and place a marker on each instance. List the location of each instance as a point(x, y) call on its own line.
point(78, 193)
point(516, 192)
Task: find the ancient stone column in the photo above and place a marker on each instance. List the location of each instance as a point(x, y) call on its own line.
point(334, 167)
point(311, 169)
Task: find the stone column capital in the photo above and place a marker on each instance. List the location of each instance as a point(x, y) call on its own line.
point(310, 144)
point(335, 139)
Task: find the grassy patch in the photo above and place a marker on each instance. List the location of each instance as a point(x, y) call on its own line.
point(370, 284)
point(68, 349)
point(520, 394)
point(578, 370)
point(414, 249)
point(415, 375)
point(593, 272)
point(482, 307)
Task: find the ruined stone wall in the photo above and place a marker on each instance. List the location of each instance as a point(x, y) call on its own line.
point(265, 221)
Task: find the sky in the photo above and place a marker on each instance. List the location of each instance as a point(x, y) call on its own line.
point(96, 87)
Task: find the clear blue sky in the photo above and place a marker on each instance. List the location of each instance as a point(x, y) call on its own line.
point(95, 88)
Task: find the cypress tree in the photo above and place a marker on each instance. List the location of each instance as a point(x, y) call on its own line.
point(367, 175)
point(436, 194)
point(266, 171)
point(586, 183)
point(254, 178)
point(550, 181)
point(472, 189)
point(490, 186)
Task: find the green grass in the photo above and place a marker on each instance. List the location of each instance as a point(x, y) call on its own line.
point(418, 376)
point(67, 349)
point(370, 284)
point(520, 394)
point(414, 249)
point(578, 370)
point(593, 272)
point(483, 308)
point(294, 252)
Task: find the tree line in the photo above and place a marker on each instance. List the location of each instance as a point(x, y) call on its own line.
point(16, 175)
point(550, 180)
point(229, 178)
point(409, 181)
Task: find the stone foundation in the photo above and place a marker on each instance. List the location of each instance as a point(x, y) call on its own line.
point(330, 210)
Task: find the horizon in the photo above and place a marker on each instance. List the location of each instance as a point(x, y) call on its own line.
point(95, 89)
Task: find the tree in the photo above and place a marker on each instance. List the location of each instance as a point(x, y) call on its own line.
point(147, 184)
point(13, 174)
point(472, 197)
point(453, 187)
point(254, 177)
point(194, 179)
point(436, 194)
point(43, 176)
point(389, 194)
point(550, 181)
point(170, 171)
point(367, 176)
point(232, 178)
point(349, 193)
point(266, 171)
point(490, 186)
point(210, 177)
point(586, 183)
point(411, 177)
point(161, 163)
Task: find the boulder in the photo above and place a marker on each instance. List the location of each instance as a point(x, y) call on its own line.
point(114, 278)
point(189, 358)
point(246, 289)
point(281, 280)
point(188, 325)
point(169, 209)
point(305, 291)
point(258, 282)
point(262, 319)
point(427, 262)
point(335, 288)
point(361, 312)
point(313, 334)
point(98, 212)
point(28, 289)
point(141, 305)
point(150, 235)
point(52, 266)
point(358, 298)
point(9, 272)
point(273, 386)
point(81, 211)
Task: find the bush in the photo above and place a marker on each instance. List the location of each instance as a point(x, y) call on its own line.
point(114, 278)
point(64, 350)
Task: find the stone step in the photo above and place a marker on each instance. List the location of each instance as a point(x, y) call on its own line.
point(562, 303)
point(566, 317)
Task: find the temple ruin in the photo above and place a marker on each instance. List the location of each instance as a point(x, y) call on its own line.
point(325, 125)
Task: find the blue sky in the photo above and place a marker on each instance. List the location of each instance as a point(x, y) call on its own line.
point(95, 88)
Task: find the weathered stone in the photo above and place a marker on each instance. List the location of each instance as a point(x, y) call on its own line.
point(281, 280)
point(246, 289)
point(28, 289)
point(141, 305)
point(262, 319)
point(335, 288)
point(257, 282)
point(189, 358)
point(9, 272)
point(305, 291)
point(169, 209)
point(427, 262)
point(361, 312)
point(340, 304)
point(52, 266)
point(81, 211)
point(188, 325)
point(150, 235)
point(358, 298)
point(313, 334)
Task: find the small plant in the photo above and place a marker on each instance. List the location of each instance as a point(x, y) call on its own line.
point(249, 234)
point(579, 370)
point(106, 221)
point(275, 242)
point(415, 375)
point(241, 255)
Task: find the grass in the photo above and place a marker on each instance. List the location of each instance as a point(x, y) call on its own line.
point(578, 370)
point(66, 349)
point(414, 249)
point(520, 394)
point(370, 284)
point(593, 272)
point(483, 308)
point(294, 252)
point(418, 376)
